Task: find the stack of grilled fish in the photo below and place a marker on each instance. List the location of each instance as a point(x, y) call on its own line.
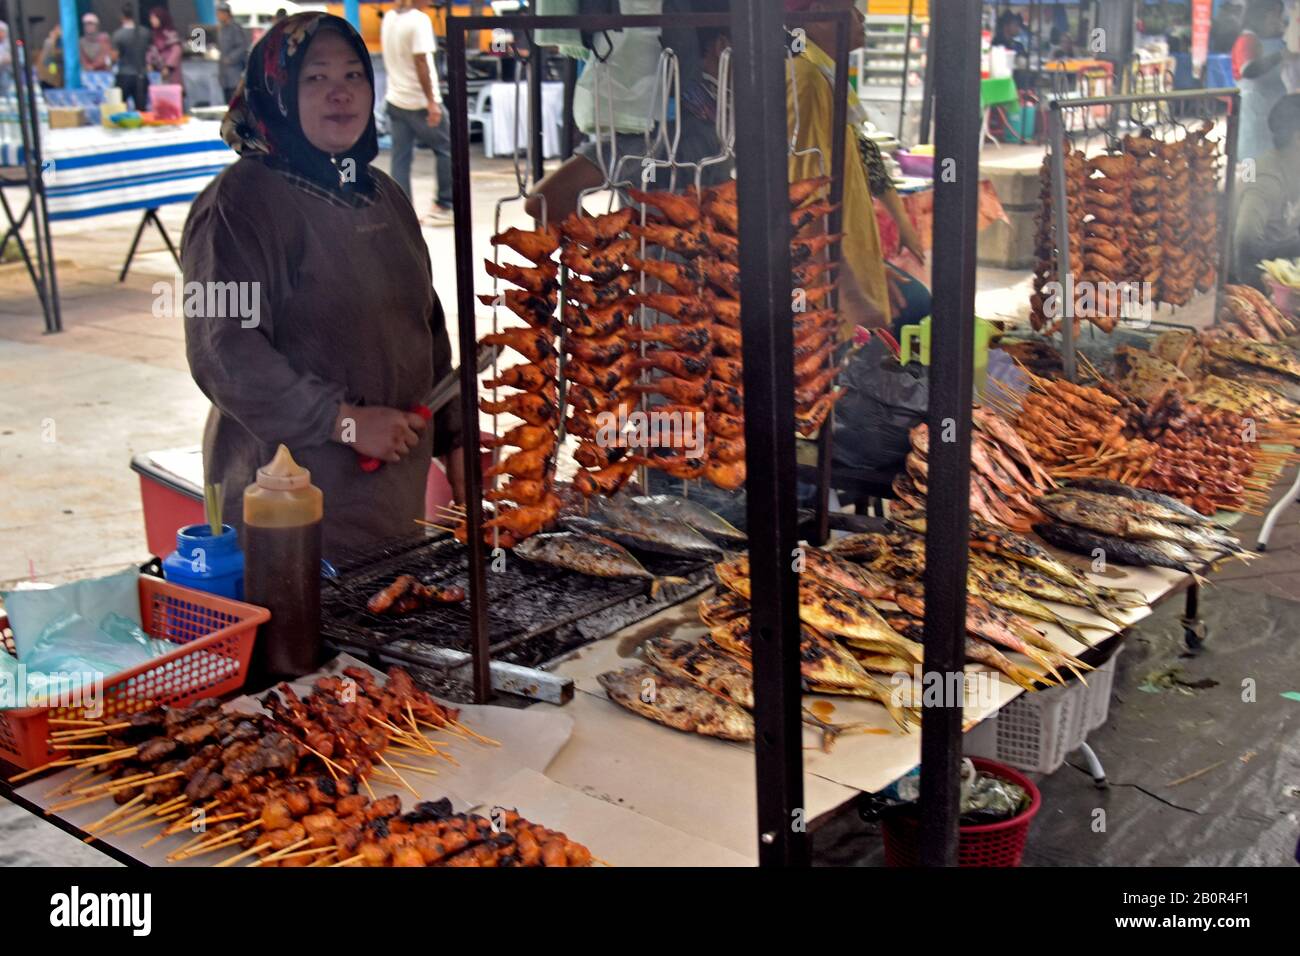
point(534, 397)
point(1132, 526)
point(1004, 478)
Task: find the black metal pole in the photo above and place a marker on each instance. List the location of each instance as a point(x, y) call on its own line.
point(536, 71)
point(1229, 203)
point(569, 142)
point(955, 27)
point(907, 60)
point(768, 342)
point(463, 226)
point(47, 289)
point(839, 135)
point(927, 81)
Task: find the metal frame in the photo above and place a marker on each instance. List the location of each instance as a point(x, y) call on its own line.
point(762, 170)
point(1057, 146)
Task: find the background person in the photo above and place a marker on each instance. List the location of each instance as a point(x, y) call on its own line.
point(94, 49)
point(350, 332)
point(1268, 213)
point(130, 52)
point(49, 61)
point(232, 41)
point(1259, 57)
point(165, 51)
point(414, 101)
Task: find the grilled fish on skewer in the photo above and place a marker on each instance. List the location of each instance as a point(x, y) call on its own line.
point(538, 245)
point(676, 703)
point(533, 408)
point(828, 608)
point(539, 280)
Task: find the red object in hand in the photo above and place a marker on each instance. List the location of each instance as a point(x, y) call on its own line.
point(369, 464)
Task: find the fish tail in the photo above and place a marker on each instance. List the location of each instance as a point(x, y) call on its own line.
point(1042, 660)
point(1071, 664)
point(1074, 632)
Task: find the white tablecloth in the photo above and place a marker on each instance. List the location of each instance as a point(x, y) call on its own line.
point(502, 109)
point(95, 170)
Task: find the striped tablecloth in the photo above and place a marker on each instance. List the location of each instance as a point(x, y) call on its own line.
point(94, 170)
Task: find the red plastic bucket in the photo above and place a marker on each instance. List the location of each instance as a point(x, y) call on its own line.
point(988, 844)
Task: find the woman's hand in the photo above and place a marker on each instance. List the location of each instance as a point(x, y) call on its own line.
point(378, 431)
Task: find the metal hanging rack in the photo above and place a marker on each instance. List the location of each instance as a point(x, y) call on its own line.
point(1059, 140)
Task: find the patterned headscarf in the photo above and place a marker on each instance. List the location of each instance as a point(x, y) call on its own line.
point(262, 119)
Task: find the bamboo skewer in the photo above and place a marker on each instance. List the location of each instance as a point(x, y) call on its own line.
point(41, 769)
point(247, 853)
point(280, 854)
point(70, 721)
point(283, 855)
point(402, 779)
point(350, 860)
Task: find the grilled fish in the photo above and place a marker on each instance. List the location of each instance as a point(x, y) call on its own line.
point(673, 534)
point(1118, 489)
point(1120, 523)
point(676, 703)
point(831, 609)
point(587, 554)
point(1135, 553)
point(695, 515)
point(977, 649)
point(662, 540)
point(1026, 579)
point(705, 665)
point(822, 663)
point(722, 607)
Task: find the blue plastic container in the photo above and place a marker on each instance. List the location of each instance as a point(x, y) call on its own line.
point(206, 562)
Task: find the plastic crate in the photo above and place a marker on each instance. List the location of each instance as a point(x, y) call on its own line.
point(214, 640)
point(1035, 732)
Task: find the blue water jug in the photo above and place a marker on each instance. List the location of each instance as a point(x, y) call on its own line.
point(207, 562)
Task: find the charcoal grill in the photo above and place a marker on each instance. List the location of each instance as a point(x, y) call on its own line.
point(535, 612)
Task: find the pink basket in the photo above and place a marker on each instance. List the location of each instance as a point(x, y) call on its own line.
point(1284, 297)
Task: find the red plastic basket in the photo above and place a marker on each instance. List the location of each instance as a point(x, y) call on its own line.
point(214, 640)
point(989, 844)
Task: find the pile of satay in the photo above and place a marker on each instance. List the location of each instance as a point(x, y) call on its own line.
point(285, 787)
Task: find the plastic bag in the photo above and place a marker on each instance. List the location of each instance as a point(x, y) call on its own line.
point(74, 609)
point(882, 402)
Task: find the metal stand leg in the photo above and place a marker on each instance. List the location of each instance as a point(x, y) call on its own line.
point(1261, 543)
point(1094, 766)
point(1193, 626)
point(150, 216)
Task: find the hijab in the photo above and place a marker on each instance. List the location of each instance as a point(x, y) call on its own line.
point(262, 120)
point(166, 33)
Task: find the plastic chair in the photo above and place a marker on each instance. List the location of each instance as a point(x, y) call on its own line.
point(482, 114)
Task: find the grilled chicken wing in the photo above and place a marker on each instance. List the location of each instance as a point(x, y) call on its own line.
point(806, 323)
point(683, 308)
point(532, 344)
point(725, 214)
point(526, 520)
point(675, 389)
point(679, 209)
point(812, 341)
point(524, 491)
point(726, 341)
point(523, 436)
point(728, 370)
point(592, 322)
point(803, 249)
point(724, 425)
point(530, 378)
point(671, 462)
point(811, 213)
point(607, 480)
point(808, 420)
point(540, 280)
point(585, 398)
point(725, 311)
point(594, 230)
point(728, 475)
point(812, 364)
point(591, 454)
point(602, 264)
point(813, 388)
point(533, 408)
point(605, 378)
point(723, 275)
point(681, 338)
point(684, 278)
point(726, 449)
point(724, 246)
point(600, 294)
point(807, 188)
point(538, 311)
point(809, 272)
point(729, 399)
point(537, 245)
point(675, 363)
point(601, 351)
point(687, 243)
point(532, 464)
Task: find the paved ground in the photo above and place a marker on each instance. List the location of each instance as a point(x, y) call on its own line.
point(75, 407)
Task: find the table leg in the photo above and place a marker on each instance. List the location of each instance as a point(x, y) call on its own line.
point(1261, 543)
point(150, 216)
point(1193, 626)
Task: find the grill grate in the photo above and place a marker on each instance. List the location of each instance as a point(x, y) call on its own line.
point(535, 612)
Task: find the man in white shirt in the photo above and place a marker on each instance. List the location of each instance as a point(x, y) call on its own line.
point(414, 100)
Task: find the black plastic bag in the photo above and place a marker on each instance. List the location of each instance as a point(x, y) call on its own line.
point(882, 402)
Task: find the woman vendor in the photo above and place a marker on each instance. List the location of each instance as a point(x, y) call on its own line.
point(1268, 214)
point(345, 334)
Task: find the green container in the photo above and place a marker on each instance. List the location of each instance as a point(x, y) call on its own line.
point(921, 331)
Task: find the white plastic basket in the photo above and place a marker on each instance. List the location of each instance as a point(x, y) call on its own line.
point(1035, 732)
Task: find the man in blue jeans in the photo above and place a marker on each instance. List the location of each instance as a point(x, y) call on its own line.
point(414, 101)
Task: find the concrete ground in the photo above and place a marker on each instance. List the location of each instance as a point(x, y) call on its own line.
point(75, 407)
